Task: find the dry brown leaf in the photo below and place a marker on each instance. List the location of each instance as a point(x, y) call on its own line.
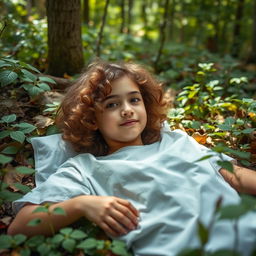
point(200, 138)
point(12, 177)
point(43, 121)
point(51, 96)
point(6, 220)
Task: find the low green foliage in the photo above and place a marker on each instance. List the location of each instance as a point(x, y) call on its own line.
point(17, 72)
point(208, 112)
point(67, 241)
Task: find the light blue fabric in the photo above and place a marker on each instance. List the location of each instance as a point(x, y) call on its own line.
point(49, 153)
point(165, 183)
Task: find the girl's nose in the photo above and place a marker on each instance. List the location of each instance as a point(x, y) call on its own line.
point(127, 111)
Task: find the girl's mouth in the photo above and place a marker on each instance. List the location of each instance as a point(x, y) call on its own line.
point(129, 122)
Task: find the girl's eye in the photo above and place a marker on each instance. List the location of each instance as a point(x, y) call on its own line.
point(111, 105)
point(135, 100)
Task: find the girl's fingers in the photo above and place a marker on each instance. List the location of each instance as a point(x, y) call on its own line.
point(124, 220)
point(128, 213)
point(108, 230)
point(129, 205)
point(114, 226)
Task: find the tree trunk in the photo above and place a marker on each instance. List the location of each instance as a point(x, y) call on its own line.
point(65, 51)
point(213, 40)
point(252, 58)
point(130, 5)
point(102, 28)
point(171, 20)
point(162, 36)
point(223, 39)
point(86, 12)
point(144, 15)
point(122, 16)
point(237, 29)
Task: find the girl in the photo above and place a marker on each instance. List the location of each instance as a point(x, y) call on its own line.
point(137, 181)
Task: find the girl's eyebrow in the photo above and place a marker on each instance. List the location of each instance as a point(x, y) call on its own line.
point(118, 96)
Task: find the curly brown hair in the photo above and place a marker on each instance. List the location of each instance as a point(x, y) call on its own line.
point(76, 116)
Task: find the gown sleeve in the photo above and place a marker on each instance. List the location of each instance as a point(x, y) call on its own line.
point(68, 182)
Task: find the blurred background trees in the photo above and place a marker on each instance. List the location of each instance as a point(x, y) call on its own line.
point(132, 30)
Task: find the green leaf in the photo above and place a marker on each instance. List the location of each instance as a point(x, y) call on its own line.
point(41, 209)
point(5, 241)
point(9, 118)
point(44, 249)
point(69, 244)
point(7, 77)
point(248, 131)
point(47, 79)
point(52, 129)
point(78, 234)
point(245, 163)
point(9, 196)
point(25, 252)
point(57, 239)
point(35, 241)
point(225, 253)
point(18, 136)
point(230, 120)
point(240, 154)
point(29, 75)
point(233, 211)
point(119, 248)
point(34, 90)
point(204, 158)
point(10, 150)
point(4, 134)
point(66, 231)
point(226, 165)
point(225, 127)
point(19, 239)
point(203, 233)
point(34, 222)
point(59, 211)
point(196, 125)
point(5, 159)
point(23, 188)
point(44, 86)
point(100, 245)
point(89, 243)
point(28, 66)
point(24, 170)
point(25, 127)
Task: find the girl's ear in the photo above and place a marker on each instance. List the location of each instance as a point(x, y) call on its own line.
point(94, 125)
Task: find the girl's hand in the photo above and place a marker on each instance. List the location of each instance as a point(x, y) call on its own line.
point(114, 215)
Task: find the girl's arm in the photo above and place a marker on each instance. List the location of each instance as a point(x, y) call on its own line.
point(114, 215)
point(241, 179)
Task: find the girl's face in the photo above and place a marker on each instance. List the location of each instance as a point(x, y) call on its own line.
point(123, 116)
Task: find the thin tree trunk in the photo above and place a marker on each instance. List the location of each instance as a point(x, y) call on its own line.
point(86, 11)
point(101, 29)
point(65, 51)
point(224, 42)
point(122, 16)
point(162, 33)
point(144, 15)
point(212, 41)
point(129, 22)
point(171, 20)
point(252, 57)
point(237, 29)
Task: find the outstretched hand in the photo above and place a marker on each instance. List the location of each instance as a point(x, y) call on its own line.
point(114, 215)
